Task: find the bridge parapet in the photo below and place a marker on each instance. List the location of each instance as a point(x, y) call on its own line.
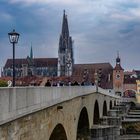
point(20, 101)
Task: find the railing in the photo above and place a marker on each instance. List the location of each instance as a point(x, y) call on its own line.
point(20, 101)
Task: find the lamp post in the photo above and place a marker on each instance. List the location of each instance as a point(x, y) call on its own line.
point(13, 37)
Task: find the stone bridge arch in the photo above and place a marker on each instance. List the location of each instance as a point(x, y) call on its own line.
point(83, 125)
point(105, 108)
point(58, 133)
point(96, 115)
point(110, 104)
point(103, 105)
point(115, 103)
point(97, 108)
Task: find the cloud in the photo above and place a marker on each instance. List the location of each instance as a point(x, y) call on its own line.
point(5, 16)
point(135, 12)
point(99, 27)
point(120, 16)
point(29, 2)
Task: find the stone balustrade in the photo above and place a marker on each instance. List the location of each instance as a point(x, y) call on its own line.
point(19, 101)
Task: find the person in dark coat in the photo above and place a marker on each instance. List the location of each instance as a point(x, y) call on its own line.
point(48, 84)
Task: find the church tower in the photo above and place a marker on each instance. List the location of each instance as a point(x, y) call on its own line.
point(65, 51)
point(118, 77)
point(31, 53)
point(30, 59)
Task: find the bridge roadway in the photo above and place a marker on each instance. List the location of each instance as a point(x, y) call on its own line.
point(43, 113)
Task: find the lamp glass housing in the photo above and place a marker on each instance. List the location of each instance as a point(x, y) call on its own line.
point(13, 37)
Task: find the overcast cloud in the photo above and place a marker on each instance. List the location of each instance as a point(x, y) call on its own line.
point(99, 29)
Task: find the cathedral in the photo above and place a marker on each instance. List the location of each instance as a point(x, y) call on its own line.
point(50, 67)
point(63, 66)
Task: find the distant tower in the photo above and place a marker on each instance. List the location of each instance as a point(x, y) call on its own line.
point(118, 76)
point(65, 51)
point(31, 53)
point(30, 59)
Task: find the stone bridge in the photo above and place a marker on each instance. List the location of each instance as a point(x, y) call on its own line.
point(52, 113)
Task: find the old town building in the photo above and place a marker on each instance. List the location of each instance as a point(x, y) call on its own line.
point(36, 71)
point(62, 67)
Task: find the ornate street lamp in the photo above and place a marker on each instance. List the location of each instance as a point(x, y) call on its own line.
point(13, 37)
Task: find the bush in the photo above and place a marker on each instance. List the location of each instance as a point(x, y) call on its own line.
point(3, 83)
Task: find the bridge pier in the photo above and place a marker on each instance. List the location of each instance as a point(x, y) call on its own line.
point(109, 126)
point(104, 132)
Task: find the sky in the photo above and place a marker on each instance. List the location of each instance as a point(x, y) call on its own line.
point(99, 29)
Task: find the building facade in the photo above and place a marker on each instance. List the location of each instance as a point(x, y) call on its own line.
point(138, 91)
point(30, 67)
point(85, 73)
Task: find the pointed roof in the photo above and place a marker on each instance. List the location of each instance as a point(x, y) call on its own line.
point(118, 67)
point(65, 28)
point(38, 62)
point(31, 53)
point(65, 39)
point(118, 63)
point(118, 60)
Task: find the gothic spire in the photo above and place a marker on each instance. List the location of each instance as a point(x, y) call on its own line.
point(65, 51)
point(31, 53)
point(65, 28)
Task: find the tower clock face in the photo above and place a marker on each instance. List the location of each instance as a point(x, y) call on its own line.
point(118, 76)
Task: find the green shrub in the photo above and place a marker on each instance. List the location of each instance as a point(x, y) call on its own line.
point(3, 83)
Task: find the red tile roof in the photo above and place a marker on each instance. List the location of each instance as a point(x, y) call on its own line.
point(7, 78)
point(45, 62)
point(105, 68)
point(128, 80)
point(129, 73)
point(29, 80)
point(118, 67)
point(18, 63)
point(38, 62)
